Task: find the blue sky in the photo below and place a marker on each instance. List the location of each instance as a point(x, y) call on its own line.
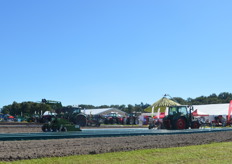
point(114, 52)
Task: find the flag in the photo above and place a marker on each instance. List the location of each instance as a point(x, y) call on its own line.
point(152, 111)
point(158, 113)
point(229, 111)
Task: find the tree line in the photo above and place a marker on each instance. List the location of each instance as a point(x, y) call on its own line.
point(221, 98)
point(29, 108)
point(33, 108)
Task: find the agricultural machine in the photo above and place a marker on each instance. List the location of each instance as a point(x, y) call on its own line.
point(71, 120)
point(113, 118)
point(60, 125)
point(132, 118)
point(94, 120)
point(178, 117)
point(221, 121)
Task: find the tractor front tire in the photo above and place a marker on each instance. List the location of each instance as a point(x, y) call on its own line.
point(195, 125)
point(45, 128)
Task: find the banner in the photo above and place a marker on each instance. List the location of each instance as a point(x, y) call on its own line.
point(229, 111)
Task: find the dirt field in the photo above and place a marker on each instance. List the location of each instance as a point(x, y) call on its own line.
point(20, 129)
point(16, 150)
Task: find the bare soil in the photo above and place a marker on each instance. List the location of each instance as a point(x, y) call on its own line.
point(20, 129)
point(17, 150)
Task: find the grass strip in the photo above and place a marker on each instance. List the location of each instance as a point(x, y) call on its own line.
point(210, 153)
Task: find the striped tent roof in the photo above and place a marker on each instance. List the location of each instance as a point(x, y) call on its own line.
point(162, 104)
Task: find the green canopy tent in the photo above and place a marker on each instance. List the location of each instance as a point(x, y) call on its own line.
point(162, 104)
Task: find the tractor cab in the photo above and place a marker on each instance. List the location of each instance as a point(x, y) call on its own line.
point(76, 110)
point(177, 111)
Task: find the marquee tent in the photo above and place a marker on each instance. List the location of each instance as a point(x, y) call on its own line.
point(162, 104)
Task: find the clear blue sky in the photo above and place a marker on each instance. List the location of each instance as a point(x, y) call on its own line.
point(114, 51)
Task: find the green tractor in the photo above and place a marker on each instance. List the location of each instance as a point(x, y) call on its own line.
point(60, 125)
point(71, 120)
point(180, 117)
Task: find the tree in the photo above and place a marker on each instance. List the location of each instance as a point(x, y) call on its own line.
point(15, 108)
point(83, 106)
point(130, 108)
point(180, 100)
point(6, 109)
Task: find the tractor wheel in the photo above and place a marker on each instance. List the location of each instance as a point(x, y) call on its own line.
point(180, 124)
point(167, 124)
point(44, 128)
point(80, 120)
point(195, 125)
point(54, 129)
point(63, 129)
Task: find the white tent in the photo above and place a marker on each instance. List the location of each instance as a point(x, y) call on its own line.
point(49, 113)
point(213, 109)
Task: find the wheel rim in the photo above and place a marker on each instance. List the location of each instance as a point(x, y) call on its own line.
point(180, 124)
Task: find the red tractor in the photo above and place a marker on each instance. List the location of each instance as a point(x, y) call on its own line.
point(113, 118)
point(94, 120)
point(179, 117)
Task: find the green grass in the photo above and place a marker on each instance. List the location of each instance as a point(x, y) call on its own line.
point(212, 153)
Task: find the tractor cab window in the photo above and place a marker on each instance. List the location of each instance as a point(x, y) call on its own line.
point(172, 110)
point(183, 110)
point(76, 110)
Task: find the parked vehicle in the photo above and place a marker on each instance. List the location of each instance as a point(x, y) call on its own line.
point(94, 120)
point(132, 119)
point(179, 117)
point(113, 118)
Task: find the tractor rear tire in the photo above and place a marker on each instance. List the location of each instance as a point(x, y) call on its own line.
point(80, 120)
point(180, 124)
point(46, 128)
